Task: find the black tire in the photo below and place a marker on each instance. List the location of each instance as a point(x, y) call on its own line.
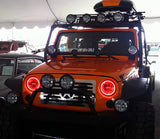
point(12, 125)
point(142, 124)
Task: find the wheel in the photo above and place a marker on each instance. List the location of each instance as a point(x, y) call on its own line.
point(142, 124)
point(12, 125)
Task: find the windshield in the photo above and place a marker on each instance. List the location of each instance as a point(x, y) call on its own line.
point(112, 42)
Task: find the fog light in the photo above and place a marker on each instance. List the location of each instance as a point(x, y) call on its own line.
point(120, 105)
point(12, 98)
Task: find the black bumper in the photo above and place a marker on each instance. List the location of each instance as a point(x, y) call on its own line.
point(65, 123)
point(72, 117)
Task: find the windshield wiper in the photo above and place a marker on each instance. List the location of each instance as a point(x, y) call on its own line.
point(112, 57)
point(97, 53)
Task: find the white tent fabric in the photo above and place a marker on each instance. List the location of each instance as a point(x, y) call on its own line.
point(30, 13)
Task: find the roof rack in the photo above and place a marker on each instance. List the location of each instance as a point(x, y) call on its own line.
point(131, 24)
point(111, 13)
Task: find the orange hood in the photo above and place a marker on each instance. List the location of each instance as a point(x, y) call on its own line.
point(101, 67)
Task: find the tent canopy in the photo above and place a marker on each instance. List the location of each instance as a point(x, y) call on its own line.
point(30, 13)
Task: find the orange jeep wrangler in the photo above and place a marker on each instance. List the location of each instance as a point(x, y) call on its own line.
point(96, 82)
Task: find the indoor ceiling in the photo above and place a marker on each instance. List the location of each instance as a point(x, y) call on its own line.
point(29, 13)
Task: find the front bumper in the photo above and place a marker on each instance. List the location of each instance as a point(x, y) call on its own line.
point(105, 118)
point(65, 123)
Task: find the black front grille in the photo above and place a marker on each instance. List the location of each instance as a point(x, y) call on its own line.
point(78, 96)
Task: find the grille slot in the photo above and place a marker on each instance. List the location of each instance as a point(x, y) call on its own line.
point(74, 97)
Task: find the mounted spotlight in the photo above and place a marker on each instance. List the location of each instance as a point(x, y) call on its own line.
point(118, 17)
point(51, 50)
point(132, 50)
point(86, 18)
point(67, 81)
point(71, 18)
point(47, 81)
point(101, 18)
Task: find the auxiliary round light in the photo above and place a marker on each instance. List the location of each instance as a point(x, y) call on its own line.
point(51, 50)
point(120, 105)
point(132, 50)
point(67, 82)
point(12, 98)
point(86, 18)
point(101, 18)
point(71, 18)
point(118, 17)
point(47, 81)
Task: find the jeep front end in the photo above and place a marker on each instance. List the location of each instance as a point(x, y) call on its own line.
point(95, 76)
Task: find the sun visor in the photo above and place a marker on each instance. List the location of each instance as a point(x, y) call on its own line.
point(113, 5)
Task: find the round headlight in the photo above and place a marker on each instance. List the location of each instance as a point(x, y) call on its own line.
point(121, 105)
point(12, 98)
point(33, 83)
point(86, 18)
point(108, 88)
point(67, 82)
point(71, 18)
point(132, 50)
point(101, 18)
point(47, 81)
point(118, 17)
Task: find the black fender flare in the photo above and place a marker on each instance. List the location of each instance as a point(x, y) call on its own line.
point(135, 87)
point(2, 101)
point(15, 84)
